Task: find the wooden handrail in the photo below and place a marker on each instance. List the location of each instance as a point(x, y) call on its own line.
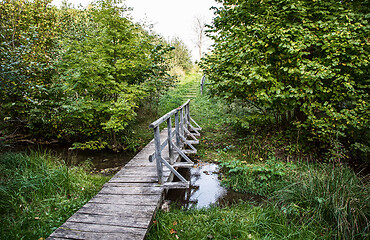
point(182, 125)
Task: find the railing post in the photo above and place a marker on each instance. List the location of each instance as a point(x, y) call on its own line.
point(188, 115)
point(158, 157)
point(169, 139)
point(181, 122)
point(177, 128)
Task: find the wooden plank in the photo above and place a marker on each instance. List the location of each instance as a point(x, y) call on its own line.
point(176, 185)
point(127, 199)
point(125, 184)
point(132, 190)
point(134, 179)
point(120, 210)
point(126, 233)
point(121, 221)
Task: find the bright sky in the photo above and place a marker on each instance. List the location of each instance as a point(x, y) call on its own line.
point(170, 17)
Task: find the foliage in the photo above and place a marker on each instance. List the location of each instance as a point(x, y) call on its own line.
point(101, 72)
point(261, 178)
point(28, 31)
point(180, 56)
point(302, 64)
point(77, 75)
point(39, 192)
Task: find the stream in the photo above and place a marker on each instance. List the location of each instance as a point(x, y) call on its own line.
point(205, 188)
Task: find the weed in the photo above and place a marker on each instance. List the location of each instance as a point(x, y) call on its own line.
point(261, 178)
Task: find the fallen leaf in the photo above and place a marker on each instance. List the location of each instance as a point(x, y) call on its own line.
point(172, 231)
point(210, 236)
point(177, 237)
point(174, 223)
point(37, 218)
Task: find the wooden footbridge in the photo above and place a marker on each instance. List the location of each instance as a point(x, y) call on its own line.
point(126, 205)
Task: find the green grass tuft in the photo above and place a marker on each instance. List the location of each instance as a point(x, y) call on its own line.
point(39, 192)
point(333, 195)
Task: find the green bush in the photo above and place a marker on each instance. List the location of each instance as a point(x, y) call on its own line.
point(297, 64)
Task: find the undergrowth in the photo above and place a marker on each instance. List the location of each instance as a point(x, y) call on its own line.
point(240, 221)
point(38, 193)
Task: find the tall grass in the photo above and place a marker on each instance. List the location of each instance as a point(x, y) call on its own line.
point(330, 194)
point(39, 192)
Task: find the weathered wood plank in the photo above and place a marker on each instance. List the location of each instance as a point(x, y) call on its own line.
point(121, 221)
point(127, 199)
point(130, 184)
point(120, 210)
point(132, 190)
point(134, 179)
point(130, 233)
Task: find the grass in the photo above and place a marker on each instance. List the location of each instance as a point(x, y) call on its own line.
point(38, 193)
point(305, 200)
point(333, 195)
point(240, 221)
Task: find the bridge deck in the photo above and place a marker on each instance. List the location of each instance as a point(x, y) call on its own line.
point(125, 206)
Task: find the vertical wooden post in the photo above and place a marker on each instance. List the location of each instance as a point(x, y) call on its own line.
point(158, 157)
point(188, 115)
point(182, 122)
point(177, 128)
point(169, 139)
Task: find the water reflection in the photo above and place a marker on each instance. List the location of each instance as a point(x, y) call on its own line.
point(206, 189)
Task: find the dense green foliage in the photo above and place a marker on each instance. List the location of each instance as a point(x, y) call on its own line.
point(79, 75)
point(38, 193)
point(28, 33)
point(302, 65)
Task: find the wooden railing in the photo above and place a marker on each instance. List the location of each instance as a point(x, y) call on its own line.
point(175, 141)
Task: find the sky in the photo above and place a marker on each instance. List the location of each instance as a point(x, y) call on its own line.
point(170, 18)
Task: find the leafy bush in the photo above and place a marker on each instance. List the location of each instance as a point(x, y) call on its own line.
point(301, 64)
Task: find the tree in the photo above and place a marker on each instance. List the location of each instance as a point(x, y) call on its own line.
point(107, 70)
point(28, 30)
point(199, 29)
point(180, 55)
point(302, 64)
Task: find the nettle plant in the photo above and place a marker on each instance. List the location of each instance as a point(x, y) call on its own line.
point(298, 63)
